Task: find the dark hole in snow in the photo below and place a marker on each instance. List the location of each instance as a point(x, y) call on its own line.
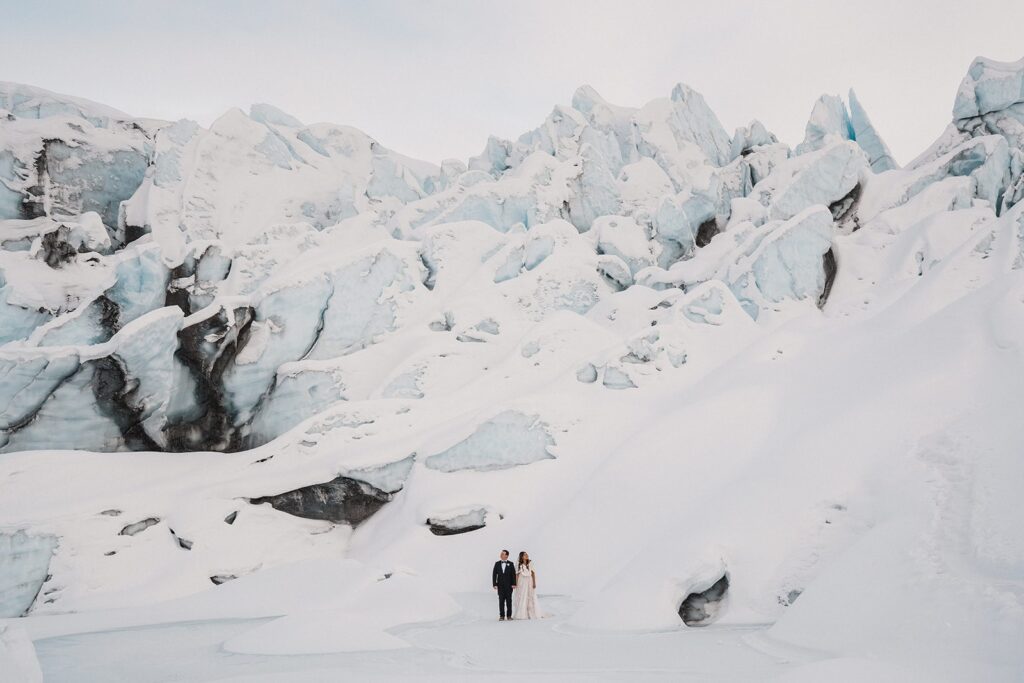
point(443, 530)
point(222, 578)
point(110, 552)
point(707, 230)
point(255, 462)
point(453, 525)
point(828, 262)
point(790, 597)
point(844, 211)
point(342, 500)
point(111, 512)
point(230, 519)
point(183, 543)
point(700, 609)
point(179, 298)
point(134, 232)
point(56, 248)
point(445, 325)
point(430, 278)
point(136, 527)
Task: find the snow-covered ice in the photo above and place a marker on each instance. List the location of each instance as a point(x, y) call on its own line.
point(273, 396)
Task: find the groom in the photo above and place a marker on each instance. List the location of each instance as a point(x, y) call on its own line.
point(504, 579)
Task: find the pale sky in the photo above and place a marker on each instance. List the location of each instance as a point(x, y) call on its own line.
point(431, 79)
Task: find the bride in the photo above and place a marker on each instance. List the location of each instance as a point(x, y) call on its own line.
point(525, 599)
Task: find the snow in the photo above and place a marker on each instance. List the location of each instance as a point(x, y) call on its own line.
point(18, 656)
point(621, 236)
point(623, 341)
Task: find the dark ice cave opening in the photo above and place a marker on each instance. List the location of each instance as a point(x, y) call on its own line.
point(701, 608)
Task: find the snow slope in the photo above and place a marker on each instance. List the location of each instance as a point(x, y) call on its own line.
point(278, 374)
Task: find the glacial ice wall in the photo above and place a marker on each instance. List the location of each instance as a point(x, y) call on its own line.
point(24, 565)
point(169, 287)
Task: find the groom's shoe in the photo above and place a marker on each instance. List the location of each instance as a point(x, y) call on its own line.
point(501, 618)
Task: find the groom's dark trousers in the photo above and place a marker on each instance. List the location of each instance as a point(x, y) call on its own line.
point(504, 579)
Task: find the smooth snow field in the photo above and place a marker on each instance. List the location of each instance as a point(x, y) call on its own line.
point(466, 647)
point(273, 397)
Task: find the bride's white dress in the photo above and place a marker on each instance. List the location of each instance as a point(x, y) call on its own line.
point(524, 600)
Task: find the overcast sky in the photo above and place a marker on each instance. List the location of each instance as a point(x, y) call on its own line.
point(433, 79)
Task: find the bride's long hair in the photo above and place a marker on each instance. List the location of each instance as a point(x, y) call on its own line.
point(521, 561)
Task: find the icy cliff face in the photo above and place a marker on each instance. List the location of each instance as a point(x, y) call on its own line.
point(24, 565)
point(604, 329)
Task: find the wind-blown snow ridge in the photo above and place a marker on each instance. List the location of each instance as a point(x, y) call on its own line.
point(694, 360)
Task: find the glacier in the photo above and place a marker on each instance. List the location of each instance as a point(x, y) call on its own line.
point(272, 388)
point(24, 565)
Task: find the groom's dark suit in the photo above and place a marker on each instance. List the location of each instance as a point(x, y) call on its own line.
point(504, 579)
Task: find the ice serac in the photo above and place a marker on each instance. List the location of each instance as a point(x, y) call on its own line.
point(821, 177)
point(747, 138)
point(990, 101)
point(986, 162)
point(509, 439)
point(828, 123)
point(784, 260)
point(63, 157)
point(27, 379)
point(29, 102)
point(145, 354)
point(111, 396)
point(24, 567)
point(284, 329)
point(694, 120)
point(989, 86)
point(366, 300)
point(868, 138)
point(249, 172)
point(832, 121)
point(300, 389)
